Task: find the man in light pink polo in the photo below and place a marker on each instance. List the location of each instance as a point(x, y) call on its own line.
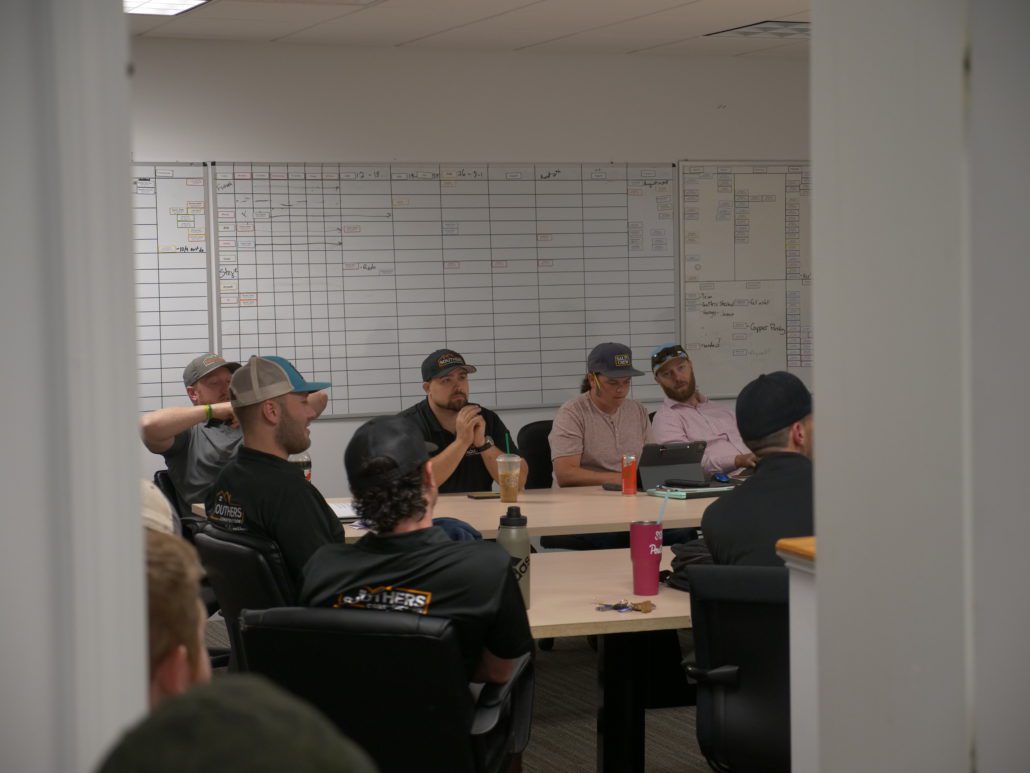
point(687, 415)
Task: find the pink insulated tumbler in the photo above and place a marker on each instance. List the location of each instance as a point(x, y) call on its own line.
point(645, 550)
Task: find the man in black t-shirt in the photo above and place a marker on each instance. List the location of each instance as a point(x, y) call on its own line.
point(260, 491)
point(774, 416)
point(410, 566)
point(469, 436)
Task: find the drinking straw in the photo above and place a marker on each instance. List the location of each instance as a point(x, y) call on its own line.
point(507, 443)
point(661, 510)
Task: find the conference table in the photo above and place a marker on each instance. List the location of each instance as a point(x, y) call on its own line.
point(566, 588)
point(555, 511)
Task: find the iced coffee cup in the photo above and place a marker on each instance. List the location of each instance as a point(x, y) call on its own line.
point(508, 468)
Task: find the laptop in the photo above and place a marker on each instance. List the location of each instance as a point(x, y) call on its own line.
point(676, 465)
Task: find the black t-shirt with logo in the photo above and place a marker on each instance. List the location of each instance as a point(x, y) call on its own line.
point(261, 493)
point(470, 474)
point(425, 572)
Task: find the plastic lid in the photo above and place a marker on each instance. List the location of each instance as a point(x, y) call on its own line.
point(513, 517)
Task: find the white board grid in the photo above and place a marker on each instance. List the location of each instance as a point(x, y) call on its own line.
point(173, 314)
point(355, 272)
point(747, 270)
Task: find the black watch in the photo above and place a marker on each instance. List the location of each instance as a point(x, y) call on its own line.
point(485, 447)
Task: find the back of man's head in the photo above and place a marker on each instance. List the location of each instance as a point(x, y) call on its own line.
point(767, 409)
point(240, 722)
point(385, 462)
point(175, 616)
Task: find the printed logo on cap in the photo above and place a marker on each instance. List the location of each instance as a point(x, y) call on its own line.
point(449, 359)
point(213, 359)
point(621, 360)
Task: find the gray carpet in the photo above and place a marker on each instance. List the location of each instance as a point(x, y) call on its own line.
point(564, 714)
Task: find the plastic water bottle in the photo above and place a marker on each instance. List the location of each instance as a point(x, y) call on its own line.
point(513, 536)
point(302, 460)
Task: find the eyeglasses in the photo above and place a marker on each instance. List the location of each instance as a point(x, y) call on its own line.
point(662, 356)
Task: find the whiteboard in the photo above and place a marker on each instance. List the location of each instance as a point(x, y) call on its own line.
point(745, 245)
point(355, 272)
point(173, 313)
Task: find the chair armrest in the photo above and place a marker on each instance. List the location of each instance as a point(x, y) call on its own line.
point(494, 697)
point(724, 676)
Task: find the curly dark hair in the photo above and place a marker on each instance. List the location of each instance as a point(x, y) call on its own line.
point(383, 505)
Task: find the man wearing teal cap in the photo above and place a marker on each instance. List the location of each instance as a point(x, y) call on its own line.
point(260, 491)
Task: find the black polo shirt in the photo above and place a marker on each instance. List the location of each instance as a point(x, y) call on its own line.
point(261, 493)
point(742, 526)
point(426, 573)
point(470, 474)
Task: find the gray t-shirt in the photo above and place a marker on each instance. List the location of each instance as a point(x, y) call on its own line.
point(198, 455)
point(600, 439)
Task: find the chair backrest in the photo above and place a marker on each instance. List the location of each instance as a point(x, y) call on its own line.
point(533, 445)
point(187, 522)
point(742, 646)
point(394, 682)
point(246, 571)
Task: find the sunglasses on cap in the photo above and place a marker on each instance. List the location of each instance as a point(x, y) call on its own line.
point(662, 356)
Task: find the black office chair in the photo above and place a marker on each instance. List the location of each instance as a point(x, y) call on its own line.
point(395, 683)
point(742, 648)
point(533, 445)
point(247, 572)
point(190, 523)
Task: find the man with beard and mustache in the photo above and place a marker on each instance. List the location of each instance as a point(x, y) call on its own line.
point(687, 415)
point(469, 437)
point(260, 491)
point(196, 441)
point(405, 564)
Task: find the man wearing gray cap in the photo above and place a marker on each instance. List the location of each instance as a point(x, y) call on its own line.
point(260, 491)
point(774, 415)
point(198, 440)
point(591, 432)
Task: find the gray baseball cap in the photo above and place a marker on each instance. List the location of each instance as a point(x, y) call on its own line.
point(200, 366)
point(263, 378)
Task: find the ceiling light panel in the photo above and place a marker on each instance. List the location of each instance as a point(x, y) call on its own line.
point(160, 7)
point(769, 30)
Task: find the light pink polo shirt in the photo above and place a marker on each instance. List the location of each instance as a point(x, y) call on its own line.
point(600, 439)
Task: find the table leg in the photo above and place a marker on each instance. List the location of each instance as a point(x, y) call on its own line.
point(622, 672)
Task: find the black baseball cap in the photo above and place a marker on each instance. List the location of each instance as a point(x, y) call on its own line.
point(391, 437)
point(443, 361)
point(771, 402)
point(612, 360)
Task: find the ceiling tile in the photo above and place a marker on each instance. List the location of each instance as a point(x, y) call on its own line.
point(223, 29)
point(301, 13)
point(140, 23)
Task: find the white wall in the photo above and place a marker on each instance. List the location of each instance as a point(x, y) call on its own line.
point(200, 100)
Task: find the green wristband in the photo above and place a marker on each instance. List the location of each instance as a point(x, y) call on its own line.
point(210, 413)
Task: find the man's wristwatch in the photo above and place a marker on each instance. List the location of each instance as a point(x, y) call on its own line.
point(486, 446)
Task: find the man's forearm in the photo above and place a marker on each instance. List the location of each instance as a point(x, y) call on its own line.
point(447, 461)
point(159, 428)
point(580, 476)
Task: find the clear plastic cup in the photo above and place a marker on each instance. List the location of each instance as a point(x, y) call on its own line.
point(508, 468)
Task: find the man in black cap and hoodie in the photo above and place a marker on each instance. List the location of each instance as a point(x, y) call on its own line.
point(774, 416)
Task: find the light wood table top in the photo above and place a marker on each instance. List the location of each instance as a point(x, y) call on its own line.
point(586, 510)
point(567, 586)
point(800, 547)
point(581, 510)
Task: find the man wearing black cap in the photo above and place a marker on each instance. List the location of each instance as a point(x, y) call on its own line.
point(407, 565)
point(260, 491)
point(469, 437)
point(591, 432)
point(774, 415)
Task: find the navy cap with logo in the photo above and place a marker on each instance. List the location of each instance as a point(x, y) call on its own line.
point(612, 360)
point(662, 353)
point(771, 402)
point(385, 437)
point(443, 361)
point(200, 366)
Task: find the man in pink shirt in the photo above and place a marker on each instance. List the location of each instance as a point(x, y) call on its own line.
point(687, 415)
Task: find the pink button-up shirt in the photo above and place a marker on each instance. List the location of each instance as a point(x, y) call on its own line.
point(677, 422)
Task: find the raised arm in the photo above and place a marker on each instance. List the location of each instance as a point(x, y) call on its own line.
point(159, 428)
